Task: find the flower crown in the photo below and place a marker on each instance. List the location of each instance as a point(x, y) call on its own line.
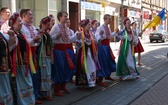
point(45, 20)
point(13, 18)
point(84, 22)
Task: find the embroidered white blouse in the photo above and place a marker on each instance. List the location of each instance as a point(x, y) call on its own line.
point(29, 35)
point(66, 37)
point(104, 36)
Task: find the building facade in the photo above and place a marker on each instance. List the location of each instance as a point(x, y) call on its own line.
point(42, 8)
point(141, 11)
point(151, 8)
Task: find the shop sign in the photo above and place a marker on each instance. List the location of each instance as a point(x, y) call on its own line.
point(77, 1)
point(146, 14)
point(110, 10)
point(90, 6)
point(138, 14)
point(132, 13)
point(115, 1)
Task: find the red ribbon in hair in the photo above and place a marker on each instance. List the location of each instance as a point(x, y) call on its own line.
point(125, 20)
point(13, 18)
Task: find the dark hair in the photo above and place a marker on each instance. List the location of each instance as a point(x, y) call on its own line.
point(105, 16)
point(125, 20)
point(45, 20)
point(60, 14)
point(84, 22)
point(133, 23)
point(3, 9)
point(23, 12)
point(51, 16)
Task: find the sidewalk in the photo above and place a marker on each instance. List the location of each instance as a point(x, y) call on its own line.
point(156, 95)
point(123, 93)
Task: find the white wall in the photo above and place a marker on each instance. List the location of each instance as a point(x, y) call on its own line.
point(11, 4)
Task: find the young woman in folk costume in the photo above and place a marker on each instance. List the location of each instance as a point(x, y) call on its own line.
point(105, 53)
point(86, 65)
point(44, 59)
point(6, 97)
point(94, 26)
point(63, 66)
point(138, 48)
point(22, 63)
point(126, 66)
point(52, 22)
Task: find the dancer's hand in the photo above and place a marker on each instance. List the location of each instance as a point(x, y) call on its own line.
point(37, 39)
point(59, 34)
point(101, 32)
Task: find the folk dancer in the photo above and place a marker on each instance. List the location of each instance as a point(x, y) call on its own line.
point(5, 15)
point(44, 59)
point(94, 26)
point(70, 49)
point(105, 53)
point(5, 66)
point(138, 48)
point(22, 63)
point(63, 65)
point(34, 38)
point(52, 21)
point(126, 66)
point(86, 64)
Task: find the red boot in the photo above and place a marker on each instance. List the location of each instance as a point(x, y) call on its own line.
point(120, 79)
point(109, 78)
point(63, 88)
point(38, 102)
point(100, 83)
point(48, 98)
point(57, 90)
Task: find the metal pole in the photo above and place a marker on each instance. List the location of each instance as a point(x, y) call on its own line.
point(122, 14)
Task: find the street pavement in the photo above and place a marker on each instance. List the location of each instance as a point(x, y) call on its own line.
point(149, 89)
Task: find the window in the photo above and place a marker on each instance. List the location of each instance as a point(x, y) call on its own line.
point(54, 7)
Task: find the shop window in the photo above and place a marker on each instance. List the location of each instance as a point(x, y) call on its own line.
point(92, 14)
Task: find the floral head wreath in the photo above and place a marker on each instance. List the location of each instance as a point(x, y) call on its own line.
point(93, 22)
point(84, 22)
point(51, 16)
point(45, 20)
point(13, 18)
point(125, 20)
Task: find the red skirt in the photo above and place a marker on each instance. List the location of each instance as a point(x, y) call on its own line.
point(138, 48)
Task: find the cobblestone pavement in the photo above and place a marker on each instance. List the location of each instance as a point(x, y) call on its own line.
point(131, 92)
point(156, 95)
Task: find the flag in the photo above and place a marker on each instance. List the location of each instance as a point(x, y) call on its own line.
point(156, 20)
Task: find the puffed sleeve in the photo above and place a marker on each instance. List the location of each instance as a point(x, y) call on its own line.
point(27, 34)
point(13, 45)
point(122, 35)
point(74, 36)
point(54, 32)
point(98, 36)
